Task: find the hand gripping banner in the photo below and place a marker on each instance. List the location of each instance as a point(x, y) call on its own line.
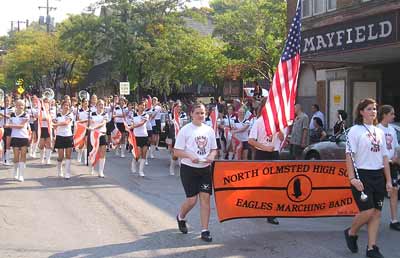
point(252, 189)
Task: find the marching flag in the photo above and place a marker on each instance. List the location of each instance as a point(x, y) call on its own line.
point(132, 142)
point(79, 135)
point(177, 125)
point(116, 137)
point(278, 112)
point(149, 102)
point(214, 119)
point(40, 117)
point(94, 155)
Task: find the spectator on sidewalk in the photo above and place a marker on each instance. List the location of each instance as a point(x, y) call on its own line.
point(299, 135)
point(316, 113)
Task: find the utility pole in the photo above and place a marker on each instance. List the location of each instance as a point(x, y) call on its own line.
point(48, 10)
point(18, 24)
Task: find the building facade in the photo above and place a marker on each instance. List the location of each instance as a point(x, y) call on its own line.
point(350, 51)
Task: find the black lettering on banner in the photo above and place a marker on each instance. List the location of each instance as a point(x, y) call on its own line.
point(324, 169)
point(254, 204)
point(292, 169)
point(241, 176)
point(340, 203)
point(267, 170)
point(300, 207)
point(343, 172)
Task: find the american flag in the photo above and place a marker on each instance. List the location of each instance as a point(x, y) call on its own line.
point(278, 112)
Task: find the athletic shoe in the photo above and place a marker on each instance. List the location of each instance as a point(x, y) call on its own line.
point(351, 241)
point(182, 225)
point(395, 226)
point(206, 236)
point(374, 252)
point(157, 149)
point(273, 220)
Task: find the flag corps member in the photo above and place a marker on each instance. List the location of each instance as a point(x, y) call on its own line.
point(64, 139)
point(19, 122)
point(98, 138)
point(197, 146)
point(367, 153)
point(4, 119)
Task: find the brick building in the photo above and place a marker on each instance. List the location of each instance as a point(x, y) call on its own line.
point(350, 50)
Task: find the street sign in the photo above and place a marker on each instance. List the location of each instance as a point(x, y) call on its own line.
point(124, 88)
point(20, 90)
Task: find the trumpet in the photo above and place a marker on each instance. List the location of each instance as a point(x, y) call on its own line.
point(83, 95)
point(48, 94)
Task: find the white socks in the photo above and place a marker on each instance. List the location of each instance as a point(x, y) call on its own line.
point(172, 167)
point(91, 169)
point(133, 166)
point(7, 160)
point(102, 163)
point(48, 156)
point(85, 157)
point(67, 168)
point(59, 169)
point(123, 151)
point(16, 171)
point(141, 167)
point(79, 158)
point(21, 166)
point(147, 158)
point(151, 149)
point(42, 155)
point(230, 155)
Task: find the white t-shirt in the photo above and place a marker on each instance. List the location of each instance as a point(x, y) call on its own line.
point(157, 110)
point(229, 121)
point(83, 114)
point(258, 133)
point(44, 117)
point(320, 115)
point(33, 112)
point(198, 140)
point(18, 120)
point(64, 130)
point(368, 146)
point(118, 111)
point(97, 119)
point(140, 131)
point(93, 109)
point(391, 139)
point(242, 136)
point(208, 122)
point(9, 110)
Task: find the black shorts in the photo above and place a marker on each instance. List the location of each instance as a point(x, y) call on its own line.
point(394, 173)
point(121, 127)
point(19, 142)
point(44, 133)
point(7, 132)
point(267, 155)
point(110, 127)
point(245, 145)
point(64, 142)
point(103, 140)
point(142, 141)
point(157, 127)
point(196, 180)
point(150, 133)
point(33, 127)
point(218, 143)
point(374, 187)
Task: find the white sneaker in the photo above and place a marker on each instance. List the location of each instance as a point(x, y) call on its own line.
point(21, 178)
point(146, 163)
point(171, 172)
point(141, 173)
point(152, 156)
point(48, 162)
point(122, 155)
point(7, 163)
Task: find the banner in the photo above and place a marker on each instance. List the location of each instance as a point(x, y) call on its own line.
point(252, 189)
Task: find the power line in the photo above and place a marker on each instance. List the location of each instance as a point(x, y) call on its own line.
point(48, 10)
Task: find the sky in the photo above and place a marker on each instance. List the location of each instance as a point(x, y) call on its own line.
point(14, 10)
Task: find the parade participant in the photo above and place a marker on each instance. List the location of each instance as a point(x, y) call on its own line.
point(4, 119)
point(209, 122)
point(197, 146)
point(156, 124)
point(45, 130)
point(93, 103)
point(178, 119)
point(267, 147)
point(32, 110)
point(140, 131)
point(385, 116)
point(367, 153)
point(110, 122)
point(19, 123)
point(149, 129)
point(119, 115)
point(64, 139)
point(241, 132)
point(340, 123)
point(83, 115)
point(229, 121)
point(98, 123)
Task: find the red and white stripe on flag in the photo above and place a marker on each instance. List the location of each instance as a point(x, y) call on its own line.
point(40, 117)
point(132, 142)
point(94, 155)
point(79, 135)
point(116, 137)
point(1, 133)
point(149, 102)
point(214, 119)
point(278, 112)
point(177, 125)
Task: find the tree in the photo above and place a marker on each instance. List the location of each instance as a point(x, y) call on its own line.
point(253, 30)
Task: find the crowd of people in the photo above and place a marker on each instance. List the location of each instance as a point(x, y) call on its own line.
point(195, 135)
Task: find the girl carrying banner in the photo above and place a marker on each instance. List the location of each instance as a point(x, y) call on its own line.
point(19, 123)
point(4, 119)
point(45, 126)
point(119, 114)
point(64, 139)
point(98, 139)
point(241, 133)
point(366, 149)
point(83, 117)
point(197, 146)
point(140, 132)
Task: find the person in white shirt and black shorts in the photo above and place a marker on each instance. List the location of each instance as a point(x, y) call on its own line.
point(197, 146)
point(4, 119)
point(19, 124)
point(385, 116)
point(366, 146)
point(45, 138)
point(64, 138)
point(119, 115)
point(140, 130)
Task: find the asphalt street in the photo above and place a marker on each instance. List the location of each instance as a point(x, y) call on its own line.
point(123, 215)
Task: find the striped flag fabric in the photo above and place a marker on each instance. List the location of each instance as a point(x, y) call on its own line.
point(116, 137)
point(278, 112)
point(214, 119)
point(40, 117)
point(132, 142)
point(177, 125)
point(149, 102)
point(79, 135)
point(94, 155)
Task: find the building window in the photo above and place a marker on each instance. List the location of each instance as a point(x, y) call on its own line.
point(307, 8)
point(318, 7)
point(331, 5)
